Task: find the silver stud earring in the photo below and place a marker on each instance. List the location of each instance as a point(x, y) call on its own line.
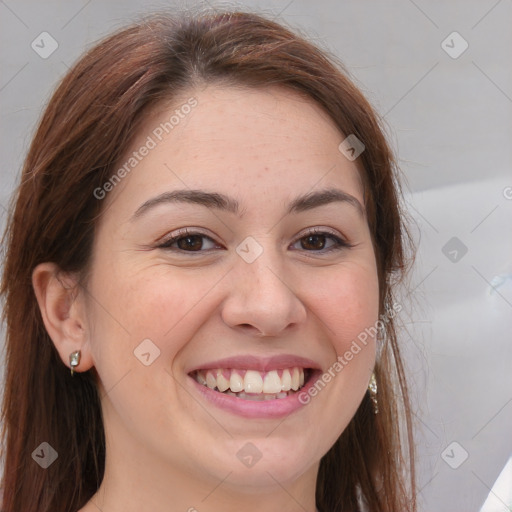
point(74, 360)
point(372, 388)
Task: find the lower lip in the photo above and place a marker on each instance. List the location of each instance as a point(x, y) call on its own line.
point(276, 408)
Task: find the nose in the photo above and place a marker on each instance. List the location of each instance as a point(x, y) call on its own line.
point(262, 301)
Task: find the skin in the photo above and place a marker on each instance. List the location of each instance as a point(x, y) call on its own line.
point(167, 448)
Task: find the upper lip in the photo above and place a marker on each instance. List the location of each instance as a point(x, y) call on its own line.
point(261, 364)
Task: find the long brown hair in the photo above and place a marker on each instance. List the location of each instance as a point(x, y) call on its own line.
point(87, 126)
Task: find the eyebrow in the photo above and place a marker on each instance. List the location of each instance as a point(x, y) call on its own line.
point(222, 202)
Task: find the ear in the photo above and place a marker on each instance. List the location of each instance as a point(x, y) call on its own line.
point(61, 302)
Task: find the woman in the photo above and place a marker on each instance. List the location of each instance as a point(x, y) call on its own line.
point(199, 283)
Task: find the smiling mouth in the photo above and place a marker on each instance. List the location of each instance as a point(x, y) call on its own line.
point(254, 385)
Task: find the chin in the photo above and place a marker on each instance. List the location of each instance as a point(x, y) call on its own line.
point(263, 462)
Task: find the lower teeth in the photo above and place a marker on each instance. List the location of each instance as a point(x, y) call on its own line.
point(258, 397)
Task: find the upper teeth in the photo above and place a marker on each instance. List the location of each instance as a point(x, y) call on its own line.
point(250, 381)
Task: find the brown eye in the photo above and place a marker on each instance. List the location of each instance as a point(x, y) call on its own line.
point(192, 243)
point(316, 242)
point(188, 242)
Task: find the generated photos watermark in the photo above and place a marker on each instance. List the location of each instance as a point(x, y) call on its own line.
point(157, 135)
point(343, 360)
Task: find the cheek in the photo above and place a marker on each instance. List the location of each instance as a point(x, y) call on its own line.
point(348, 308)
point(133, 303)
point(348, 303)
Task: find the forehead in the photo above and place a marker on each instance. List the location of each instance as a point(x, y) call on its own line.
point(258, 144)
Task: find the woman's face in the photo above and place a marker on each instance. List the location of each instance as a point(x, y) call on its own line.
point(251, 299)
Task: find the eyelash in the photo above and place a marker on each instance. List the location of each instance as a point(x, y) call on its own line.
point(340, 244)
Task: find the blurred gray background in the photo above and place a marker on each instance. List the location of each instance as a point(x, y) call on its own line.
point(440, 74)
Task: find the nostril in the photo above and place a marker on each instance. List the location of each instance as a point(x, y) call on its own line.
point(252, 328)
